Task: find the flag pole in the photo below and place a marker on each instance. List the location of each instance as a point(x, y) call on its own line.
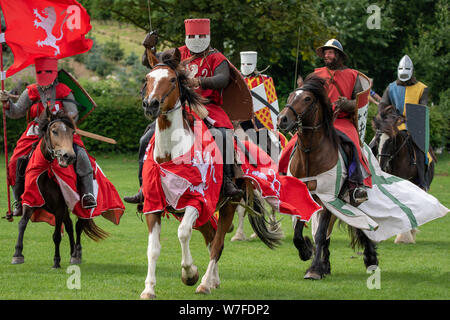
point(8, 216)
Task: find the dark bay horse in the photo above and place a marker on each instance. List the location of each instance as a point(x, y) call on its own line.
point(396, 151)
point(165, 93)
point(56, 133)
point(398, 155)
point(309, 113)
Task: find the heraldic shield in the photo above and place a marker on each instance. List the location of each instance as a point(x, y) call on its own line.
point(418, 125)
point(362, 103)
point(237, 100)
point(84, 102)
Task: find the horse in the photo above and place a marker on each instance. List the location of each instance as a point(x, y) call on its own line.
point(397, 154)
point(56, 135)
point(308, 111)
point(164, 94)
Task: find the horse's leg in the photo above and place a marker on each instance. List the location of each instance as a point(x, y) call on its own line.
point(77, 254)
point(319, 267)
point(18, 258)
point(153, 250)
point(240, 235)
point(370, 252)
point(208, 233)
point(57, 238)
point(225, 219)
point(303, 244)
point(69, 229)
point(189, 271)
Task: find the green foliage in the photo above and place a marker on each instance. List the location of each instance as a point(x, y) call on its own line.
point(118, 115)
point(113, 51)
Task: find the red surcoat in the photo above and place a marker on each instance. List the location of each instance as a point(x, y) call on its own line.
point(205, 67)
point(25, 142)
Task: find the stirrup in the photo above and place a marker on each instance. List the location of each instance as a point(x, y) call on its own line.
point(91, 203)
point(362, 198)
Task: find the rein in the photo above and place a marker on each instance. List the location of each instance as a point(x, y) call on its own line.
point(300, 127)
point(52, 152)
point(392, 156)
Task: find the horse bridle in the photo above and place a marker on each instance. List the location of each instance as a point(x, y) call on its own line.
point(174, 85)
point(299, 123)
point(392, 156)
point(52, 152)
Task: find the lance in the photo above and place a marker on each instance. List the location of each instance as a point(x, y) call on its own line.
point(8, 216)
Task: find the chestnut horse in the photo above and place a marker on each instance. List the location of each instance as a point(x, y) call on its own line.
point(309, 112)
point(164, 95)
point(56, 133)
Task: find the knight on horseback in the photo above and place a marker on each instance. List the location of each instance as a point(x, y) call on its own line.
point(343, 85)
point(262, 127)
point(47, 92)
point(210, 74)
point(407, 90)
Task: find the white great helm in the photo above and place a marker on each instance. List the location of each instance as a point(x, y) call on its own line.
point(248, 62)
point(405, 68)
point(198, 35)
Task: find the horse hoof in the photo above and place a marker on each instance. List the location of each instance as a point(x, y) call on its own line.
point(203, 289)
point(18, 260)
point(147, 296)
point(75, 260)
point(239, 237)
point(312, 276)
point(56, 266)
point(189, 281)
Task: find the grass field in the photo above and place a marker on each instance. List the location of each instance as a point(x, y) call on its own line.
point(116, 267)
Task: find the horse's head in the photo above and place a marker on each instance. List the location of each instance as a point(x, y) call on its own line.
point(306, 106)
point(385, 124)
point(162, 88)
point(57, 132)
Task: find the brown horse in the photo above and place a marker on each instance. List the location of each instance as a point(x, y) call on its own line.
point(56, 133)
point(164, 94)
point(309, 112)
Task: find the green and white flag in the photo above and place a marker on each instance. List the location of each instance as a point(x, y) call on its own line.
point(394, 206)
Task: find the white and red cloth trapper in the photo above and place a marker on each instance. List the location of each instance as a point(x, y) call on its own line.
point(195, 179)
point(109, 203)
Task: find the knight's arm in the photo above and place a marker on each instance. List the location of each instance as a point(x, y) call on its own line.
point(385, 101)
point(71, 108)
point(347, 105)
point(220, 78)
point(19, 109)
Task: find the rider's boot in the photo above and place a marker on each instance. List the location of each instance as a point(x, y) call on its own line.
point(358, 194)
point(229, 188)
point(85, 177)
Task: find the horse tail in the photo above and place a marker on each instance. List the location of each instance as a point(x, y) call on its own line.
point(266, 230)
point(93, 231)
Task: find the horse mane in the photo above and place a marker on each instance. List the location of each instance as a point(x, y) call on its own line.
point(44, 121)
point(188, 95)
point(387, 121)
point(316, 85)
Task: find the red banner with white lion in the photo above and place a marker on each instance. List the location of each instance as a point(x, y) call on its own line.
point(44, 28)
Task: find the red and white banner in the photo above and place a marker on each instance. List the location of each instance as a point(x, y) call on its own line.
point(44, 28)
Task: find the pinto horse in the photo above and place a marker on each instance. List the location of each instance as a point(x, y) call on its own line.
point(56, 136)
point(165, 94)
point(309, 112)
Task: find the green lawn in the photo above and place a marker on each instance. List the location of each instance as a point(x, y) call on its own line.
point(116, 268)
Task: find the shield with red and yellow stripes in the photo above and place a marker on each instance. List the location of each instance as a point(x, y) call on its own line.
point(265, 100)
